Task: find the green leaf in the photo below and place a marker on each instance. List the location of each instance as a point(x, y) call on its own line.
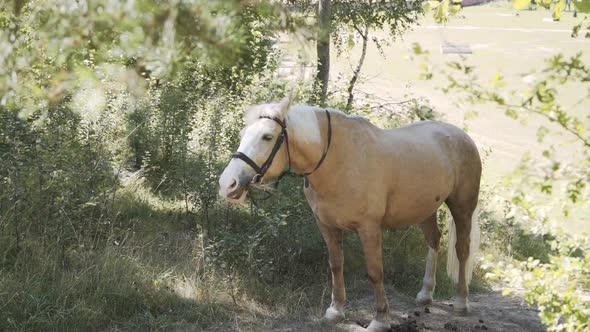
point(425, 76)
point(418, 50)
point(428, 5)
point(521, 4)
point(511, 113)
point(541, 133)
point(455, 9)
point(557, 9)
point(350, 41)
point(456, 6)
point(498, 80)
point(545, 3)
point(441, 13)
point(576, 30)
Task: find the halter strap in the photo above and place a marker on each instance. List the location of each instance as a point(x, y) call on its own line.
point(325, 153)
point(261, 170)
point(250, 162)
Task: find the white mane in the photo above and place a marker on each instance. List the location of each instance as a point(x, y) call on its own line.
point(350, 116)
point(302, 120)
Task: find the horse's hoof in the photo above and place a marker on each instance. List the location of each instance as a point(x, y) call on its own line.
point(423, 300)
point(461, 306)
point(378, 326)
point(333, 315)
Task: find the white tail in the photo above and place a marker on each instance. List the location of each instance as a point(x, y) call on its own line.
point(452, 260)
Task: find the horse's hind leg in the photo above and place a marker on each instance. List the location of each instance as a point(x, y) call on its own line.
point(371, 237)
point(467, 240)
point(432, 236)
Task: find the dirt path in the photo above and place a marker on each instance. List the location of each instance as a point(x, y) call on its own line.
point(490, 312)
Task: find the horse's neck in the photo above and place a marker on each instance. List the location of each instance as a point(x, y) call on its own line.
point(306, 156)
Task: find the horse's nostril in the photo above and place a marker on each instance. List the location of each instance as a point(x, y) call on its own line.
point(233, 184)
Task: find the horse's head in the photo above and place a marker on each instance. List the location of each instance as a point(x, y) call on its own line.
point(262, 153)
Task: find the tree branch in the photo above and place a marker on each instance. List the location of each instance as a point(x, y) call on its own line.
point(359, 66)
point(360, 32)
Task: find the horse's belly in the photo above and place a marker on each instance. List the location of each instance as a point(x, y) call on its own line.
point(404, 217)
point(410, 207)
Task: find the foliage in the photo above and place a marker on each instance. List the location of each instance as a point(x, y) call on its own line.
point(151, 103)
point(555, 287)
point(576, 29)
point(53, 50)
point(540, 99)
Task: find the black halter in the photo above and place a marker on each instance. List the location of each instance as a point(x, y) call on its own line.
point(283, 137)
point(261, 170)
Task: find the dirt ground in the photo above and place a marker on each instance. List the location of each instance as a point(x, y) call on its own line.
point(489, 312)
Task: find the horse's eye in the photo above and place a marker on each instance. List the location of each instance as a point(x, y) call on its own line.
point(267, 137)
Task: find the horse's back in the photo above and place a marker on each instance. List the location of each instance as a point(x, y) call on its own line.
point(432, 137)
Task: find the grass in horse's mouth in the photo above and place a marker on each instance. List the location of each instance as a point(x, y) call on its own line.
point(268, 187)
point(238, 195)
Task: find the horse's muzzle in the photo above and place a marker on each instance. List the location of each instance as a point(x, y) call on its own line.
point(233, 189)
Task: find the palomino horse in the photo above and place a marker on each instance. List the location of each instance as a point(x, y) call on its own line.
point(361, 178)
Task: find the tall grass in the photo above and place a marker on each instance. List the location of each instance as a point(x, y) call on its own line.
point(150, 272)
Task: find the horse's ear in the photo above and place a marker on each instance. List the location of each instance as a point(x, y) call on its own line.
point(286, 103)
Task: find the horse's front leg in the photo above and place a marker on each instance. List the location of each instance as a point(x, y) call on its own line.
point(370, 236)
point(333, 237)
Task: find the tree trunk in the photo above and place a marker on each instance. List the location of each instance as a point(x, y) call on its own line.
point(357, 71)
point(320, 88)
